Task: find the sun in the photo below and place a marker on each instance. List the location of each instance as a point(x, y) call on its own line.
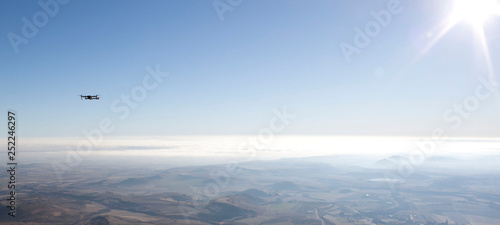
point(475, 12)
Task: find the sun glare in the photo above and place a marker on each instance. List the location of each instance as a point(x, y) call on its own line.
point(474, 11)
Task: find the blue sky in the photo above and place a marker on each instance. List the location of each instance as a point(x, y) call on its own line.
point(226, 77)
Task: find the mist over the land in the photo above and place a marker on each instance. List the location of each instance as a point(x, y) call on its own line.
point(220, 149)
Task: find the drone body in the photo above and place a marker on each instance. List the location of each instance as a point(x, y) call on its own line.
point(89, 97)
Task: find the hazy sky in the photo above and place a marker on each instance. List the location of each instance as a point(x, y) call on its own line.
point(227, 76)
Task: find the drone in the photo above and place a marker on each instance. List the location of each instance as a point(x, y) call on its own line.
point(89, 97)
